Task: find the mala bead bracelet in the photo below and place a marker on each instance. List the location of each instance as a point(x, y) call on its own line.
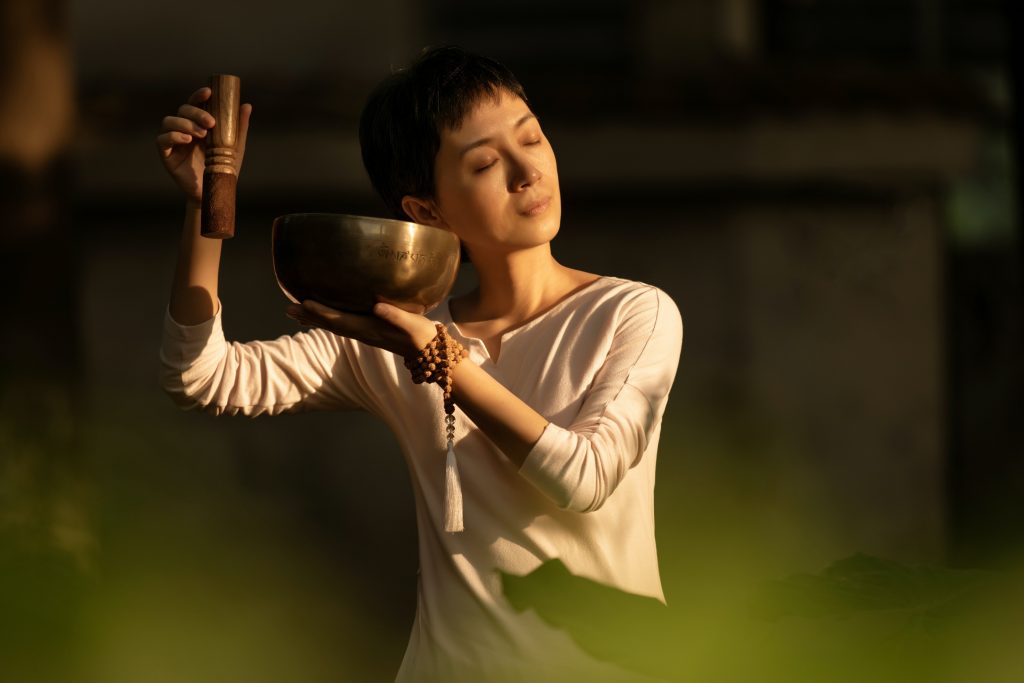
point(433, 364)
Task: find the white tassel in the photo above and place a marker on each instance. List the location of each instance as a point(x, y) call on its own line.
point(452, 493)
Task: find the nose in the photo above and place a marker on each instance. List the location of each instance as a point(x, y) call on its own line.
point(524, 175)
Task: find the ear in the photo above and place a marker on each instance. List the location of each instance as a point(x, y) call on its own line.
point(422, 211)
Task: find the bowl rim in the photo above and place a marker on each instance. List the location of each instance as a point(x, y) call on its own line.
point(392, 221)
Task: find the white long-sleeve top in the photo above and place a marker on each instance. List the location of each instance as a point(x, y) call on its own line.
point(598, 365)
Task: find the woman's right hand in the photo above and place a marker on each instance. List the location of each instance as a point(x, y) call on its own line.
point(181, 143)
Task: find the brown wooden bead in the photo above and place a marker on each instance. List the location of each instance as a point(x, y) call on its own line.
point(433, 364)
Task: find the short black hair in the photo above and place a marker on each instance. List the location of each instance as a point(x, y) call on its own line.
point(401, 123)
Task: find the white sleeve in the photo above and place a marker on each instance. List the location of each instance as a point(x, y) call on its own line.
point(309, 370)
point(579, 466)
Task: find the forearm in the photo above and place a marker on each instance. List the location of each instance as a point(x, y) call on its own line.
point(194, 290)
point(504, 418)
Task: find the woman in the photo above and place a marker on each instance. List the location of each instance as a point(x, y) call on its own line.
point(558, 404)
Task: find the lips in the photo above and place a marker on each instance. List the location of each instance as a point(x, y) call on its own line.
point(536, 207)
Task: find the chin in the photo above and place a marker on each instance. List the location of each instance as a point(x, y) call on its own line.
point(552, 222)
point(531, 236)
point(551, 227)
point(541, 229)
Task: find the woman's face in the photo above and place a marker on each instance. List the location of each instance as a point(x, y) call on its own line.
point(496, 180)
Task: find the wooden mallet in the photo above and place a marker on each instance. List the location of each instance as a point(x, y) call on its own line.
point(220, 178)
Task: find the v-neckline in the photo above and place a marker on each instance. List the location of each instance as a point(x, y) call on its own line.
point(529, 322)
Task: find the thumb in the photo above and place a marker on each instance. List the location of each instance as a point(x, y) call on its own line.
point(386, 311)
point(395, 315)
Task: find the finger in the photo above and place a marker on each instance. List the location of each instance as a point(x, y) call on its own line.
point(306, 323)
point(200, 116)
point(166, 141)
point(346, 324)
point(299, 316)
point(392, 313)
point(318, 309)
point(302, 314)
point(200, 95)
point(184, 125)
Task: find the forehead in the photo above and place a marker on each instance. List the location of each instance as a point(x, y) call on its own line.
point(488, 114)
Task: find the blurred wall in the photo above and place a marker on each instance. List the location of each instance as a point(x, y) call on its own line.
point(118, 42)
point(792, 174)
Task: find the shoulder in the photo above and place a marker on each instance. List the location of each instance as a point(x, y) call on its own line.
point(648, 332)
point(642, 313)
point(638, 297)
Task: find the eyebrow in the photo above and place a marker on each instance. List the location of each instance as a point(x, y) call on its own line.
point(483, 141)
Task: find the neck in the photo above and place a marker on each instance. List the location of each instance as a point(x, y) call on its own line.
point(515, 285)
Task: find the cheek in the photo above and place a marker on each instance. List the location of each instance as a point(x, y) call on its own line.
point(472, 201)
point(482, 194)
point(547, 163)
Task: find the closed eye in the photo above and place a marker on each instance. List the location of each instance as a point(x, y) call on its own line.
point(484, 168)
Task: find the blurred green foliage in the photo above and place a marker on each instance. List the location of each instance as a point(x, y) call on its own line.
point(862, 618)
point(133, 553)
point(981, 207)
point(124, 558)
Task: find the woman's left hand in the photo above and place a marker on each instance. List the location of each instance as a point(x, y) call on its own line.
point(388, 327)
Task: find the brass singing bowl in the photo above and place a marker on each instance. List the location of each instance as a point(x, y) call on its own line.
point(351, 262)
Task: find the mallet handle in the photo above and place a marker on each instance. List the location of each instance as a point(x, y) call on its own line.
point(220, 178)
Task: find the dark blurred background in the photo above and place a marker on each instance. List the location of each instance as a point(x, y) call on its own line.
point(828, 189)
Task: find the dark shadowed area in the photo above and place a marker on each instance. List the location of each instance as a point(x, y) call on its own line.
point(828, 190)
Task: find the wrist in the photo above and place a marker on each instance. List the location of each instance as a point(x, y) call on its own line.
point(435, 360)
